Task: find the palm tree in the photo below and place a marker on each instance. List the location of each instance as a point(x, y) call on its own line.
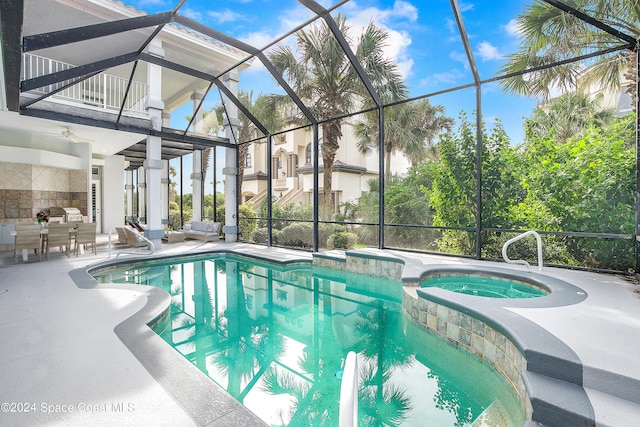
point(409, 127)
point(566, 116)
point(550, 35)
point(322, 76)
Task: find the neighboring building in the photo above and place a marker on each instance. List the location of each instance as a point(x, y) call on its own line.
point(292, 166)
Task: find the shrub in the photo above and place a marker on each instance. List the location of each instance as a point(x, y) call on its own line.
point(342, 240)
point(260, 235)
point(299, 235)
point(247, 221)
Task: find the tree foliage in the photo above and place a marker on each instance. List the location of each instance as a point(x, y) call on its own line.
point(585, 183)
point(321, 73)
point(549, 35)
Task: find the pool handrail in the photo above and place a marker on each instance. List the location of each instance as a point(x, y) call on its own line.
point(150, 245)
point(349, 392)
point(521, 261)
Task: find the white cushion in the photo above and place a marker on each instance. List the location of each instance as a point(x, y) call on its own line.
point(198, 226)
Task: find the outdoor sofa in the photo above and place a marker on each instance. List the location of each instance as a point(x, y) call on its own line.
point(201, 230)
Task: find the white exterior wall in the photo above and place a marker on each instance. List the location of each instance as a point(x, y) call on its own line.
point(112, 193)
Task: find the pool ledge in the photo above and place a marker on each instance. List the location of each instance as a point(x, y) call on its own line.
point(543, 371)
point(204, 401)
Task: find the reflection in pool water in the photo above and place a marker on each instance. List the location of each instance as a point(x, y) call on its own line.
point(483, 286)
point(276, 338)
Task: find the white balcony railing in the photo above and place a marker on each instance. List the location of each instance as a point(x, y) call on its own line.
point(103, 91)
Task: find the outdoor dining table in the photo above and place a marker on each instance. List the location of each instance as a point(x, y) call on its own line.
point(43, 234)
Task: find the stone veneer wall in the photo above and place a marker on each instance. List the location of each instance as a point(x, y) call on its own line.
point(378, 267)
point(27, 189)
point(475, 337)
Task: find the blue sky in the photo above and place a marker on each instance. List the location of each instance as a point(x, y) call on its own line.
point(423, 41)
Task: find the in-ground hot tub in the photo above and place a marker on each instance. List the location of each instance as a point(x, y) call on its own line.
point(485, 286)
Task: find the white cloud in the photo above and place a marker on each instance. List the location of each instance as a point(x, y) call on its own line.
point(226, 15)
point(193, 14)
point(488, 52)
point(464, 7)
point(398, 42)
point(402, 9)
point(448, 78)
point(358, 19)
point(143, 3)
point(258, 39)
point(451, 26)
point(512, 28)
point(460, 57)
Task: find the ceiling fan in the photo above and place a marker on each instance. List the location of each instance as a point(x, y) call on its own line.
point(69, 134)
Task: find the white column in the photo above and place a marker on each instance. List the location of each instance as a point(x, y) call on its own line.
point(166, 119)
point(196, 176)
point(112, 194)
point(153, 164)
point(129, 188)
point(166, 122)
point(165, 193)
point(142, 195)
point(231, 125)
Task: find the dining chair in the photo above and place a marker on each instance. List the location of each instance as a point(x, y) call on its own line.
point(58, 235)
point(86, 235)
point(27, 237)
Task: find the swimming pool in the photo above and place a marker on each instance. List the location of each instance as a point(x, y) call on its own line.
point(275, 338)
point(484, 286)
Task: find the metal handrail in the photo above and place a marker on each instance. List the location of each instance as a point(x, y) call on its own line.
point(521, 261)
point(151, 246)
point(104, 91)
point(349, 392)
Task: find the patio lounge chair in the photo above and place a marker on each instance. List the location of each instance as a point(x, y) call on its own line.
point(134, 238)
point(122, 235)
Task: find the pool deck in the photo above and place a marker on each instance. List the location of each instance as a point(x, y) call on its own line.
point(65, 361)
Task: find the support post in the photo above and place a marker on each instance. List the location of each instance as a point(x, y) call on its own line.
point(479, 147)
point(153, 164)
point(231, 124)
point(381, 186)
point(316, 183)
point(197, 184)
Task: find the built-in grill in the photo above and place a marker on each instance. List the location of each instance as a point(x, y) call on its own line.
point(65, 214)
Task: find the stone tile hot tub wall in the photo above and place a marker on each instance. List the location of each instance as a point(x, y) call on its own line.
point(475, 337)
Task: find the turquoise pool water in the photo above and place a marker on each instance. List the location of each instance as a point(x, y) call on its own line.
point(276, 338)
point(483, 286)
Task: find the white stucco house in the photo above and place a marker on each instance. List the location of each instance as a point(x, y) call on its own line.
point(78, 108)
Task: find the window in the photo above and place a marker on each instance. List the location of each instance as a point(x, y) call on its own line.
point(281, 295)
point(279, 162)
point(307, 155)
point(247, 161)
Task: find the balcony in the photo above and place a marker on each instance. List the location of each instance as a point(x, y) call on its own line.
point(102, 91)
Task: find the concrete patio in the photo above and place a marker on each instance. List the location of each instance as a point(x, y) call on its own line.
point(63, 363)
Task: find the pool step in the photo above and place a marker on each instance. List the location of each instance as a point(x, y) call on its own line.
point(611, 383)
point(558, 403)
point(612, 411)
point(494, 415)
